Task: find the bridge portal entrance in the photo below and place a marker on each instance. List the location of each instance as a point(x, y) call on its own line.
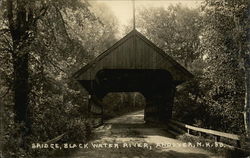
point(134, 64)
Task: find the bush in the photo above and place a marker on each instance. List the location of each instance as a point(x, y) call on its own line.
point(78, 131)
point(51, 114)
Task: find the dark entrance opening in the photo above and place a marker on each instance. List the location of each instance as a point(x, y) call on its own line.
point(121, 103)
point(156, 85)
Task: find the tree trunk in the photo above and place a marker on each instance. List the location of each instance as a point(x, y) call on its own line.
point(19, 28)
point(21, 90)
point(247, 79)
point(247, 100)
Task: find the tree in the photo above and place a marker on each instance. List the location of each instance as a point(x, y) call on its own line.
point(175, 30)
point(224, 44)
point(42, 43)
point(21, 18)
point(212, 44)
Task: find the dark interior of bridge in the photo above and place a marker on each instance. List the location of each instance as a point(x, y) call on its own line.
point(157, 86)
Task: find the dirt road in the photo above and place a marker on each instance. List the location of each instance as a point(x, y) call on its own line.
point(128, 137)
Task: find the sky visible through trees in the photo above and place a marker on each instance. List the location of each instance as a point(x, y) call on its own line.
point(43, 42)
point(123, 10)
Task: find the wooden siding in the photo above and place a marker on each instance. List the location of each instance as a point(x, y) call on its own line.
point(133, 51)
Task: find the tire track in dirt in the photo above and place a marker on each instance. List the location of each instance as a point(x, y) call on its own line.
point(128, 136)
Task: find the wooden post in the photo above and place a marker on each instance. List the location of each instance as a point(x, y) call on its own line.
point(238, 143)
point(199, 134)
point(97, 100)
point(122, 101)
point(217, 138)
point(89, 105)
point(134, 99)
point(102, 121)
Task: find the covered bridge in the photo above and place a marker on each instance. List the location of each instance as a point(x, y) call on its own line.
point(135, 64)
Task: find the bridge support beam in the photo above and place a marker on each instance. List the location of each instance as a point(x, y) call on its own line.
point(96, 105)
point(159, 105)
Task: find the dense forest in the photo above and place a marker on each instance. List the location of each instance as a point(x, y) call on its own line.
point(211, 42)
point(43, 42)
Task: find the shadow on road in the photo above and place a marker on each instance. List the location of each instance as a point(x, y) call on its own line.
point(131, 129)
point(137, 153)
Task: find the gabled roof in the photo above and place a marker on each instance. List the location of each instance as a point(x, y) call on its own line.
point(134, 33)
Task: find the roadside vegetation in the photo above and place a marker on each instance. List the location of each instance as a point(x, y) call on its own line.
point(42, 42)
point(211, 42)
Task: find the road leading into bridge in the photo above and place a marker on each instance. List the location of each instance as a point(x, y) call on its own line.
point(128, 137)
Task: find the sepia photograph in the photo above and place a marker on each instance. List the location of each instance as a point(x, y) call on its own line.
point(124, 79)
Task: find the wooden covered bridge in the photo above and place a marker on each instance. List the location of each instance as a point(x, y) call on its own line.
point(135, 64)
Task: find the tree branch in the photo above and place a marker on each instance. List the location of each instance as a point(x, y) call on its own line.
point(5, 49)
point(8, 90)
point(63, 22)
point(51, 62)
point(3, 31)
point(6, 42)
point(10, 14)
point(43, 11)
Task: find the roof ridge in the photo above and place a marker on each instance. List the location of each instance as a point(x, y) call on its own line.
point(132, 34)
point(100, 56)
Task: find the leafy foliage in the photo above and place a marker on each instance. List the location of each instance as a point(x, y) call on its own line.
point(117, 104)
point(174, 29)
point(223, 40)
point(210, 41)
point(59, 36)
point(65, 37)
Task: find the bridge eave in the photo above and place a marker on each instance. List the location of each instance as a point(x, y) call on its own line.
point(178, 72)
